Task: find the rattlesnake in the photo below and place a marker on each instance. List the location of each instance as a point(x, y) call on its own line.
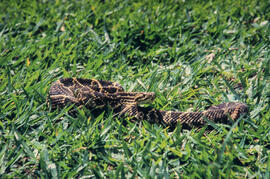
point(99, 94)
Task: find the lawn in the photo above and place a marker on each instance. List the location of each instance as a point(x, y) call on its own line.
point(192, 54)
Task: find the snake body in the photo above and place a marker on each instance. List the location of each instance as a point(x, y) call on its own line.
point(99, 94)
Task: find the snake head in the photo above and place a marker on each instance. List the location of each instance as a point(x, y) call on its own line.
point(143, 98)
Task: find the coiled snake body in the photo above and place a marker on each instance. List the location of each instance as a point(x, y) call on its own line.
point(94, 94)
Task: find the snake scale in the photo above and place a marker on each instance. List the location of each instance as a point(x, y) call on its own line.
point(100, 94)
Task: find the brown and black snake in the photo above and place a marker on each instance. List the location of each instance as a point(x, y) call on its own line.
point(100, 94)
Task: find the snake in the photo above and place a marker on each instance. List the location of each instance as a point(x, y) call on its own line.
point(100, 94)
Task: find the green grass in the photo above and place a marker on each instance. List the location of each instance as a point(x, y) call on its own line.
point(192, 54)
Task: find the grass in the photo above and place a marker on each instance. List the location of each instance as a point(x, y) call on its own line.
point(192, 54)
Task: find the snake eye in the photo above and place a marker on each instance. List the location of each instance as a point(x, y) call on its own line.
point(140, 97)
